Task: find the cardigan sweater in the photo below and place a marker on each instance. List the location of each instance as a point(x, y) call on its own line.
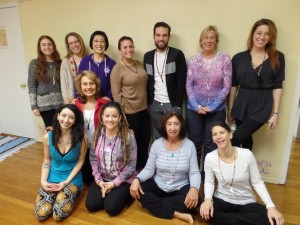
point(67, 81)
point(175, 71)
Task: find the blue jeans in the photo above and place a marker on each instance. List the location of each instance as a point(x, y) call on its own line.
point(199, 128)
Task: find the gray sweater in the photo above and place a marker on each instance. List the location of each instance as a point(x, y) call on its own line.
point(44, 95)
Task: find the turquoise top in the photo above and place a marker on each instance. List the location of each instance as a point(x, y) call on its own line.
point(63, 164)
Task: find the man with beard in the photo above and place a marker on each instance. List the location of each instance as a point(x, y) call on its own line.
point(166, 69)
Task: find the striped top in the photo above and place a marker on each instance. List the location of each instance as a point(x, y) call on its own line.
point(172, 170)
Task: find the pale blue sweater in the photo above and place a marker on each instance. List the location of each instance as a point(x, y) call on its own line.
point(172, 170)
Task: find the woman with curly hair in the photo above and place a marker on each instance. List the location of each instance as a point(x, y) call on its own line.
point(64, 153)
point(113, 160)
point(44, 80)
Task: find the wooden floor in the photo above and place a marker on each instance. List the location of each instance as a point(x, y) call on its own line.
point(20, 180)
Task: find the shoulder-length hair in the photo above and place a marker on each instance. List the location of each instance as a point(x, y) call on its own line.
point(92, 76)
point(206, 30)
point(41, 62)
point(123, 127)
point(166, 117)
point(271, 46)
point(77, 130)
point(83, 51)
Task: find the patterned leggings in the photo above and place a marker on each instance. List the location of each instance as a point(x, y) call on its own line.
point(60, 204)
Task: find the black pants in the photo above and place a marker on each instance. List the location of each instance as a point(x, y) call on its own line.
point(86, 169)
point(226, 213)
point(140, 124)
point(47, 117)
point(242, 137)
point(114, 201)
point(162, 204)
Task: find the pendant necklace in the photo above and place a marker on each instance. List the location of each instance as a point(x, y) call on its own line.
point(231, 182)
point(208, 74)
point(259, 70)
point(52, 74)
point(128, 67)
point(172, 171)
point(86, 120)
point(75, 65)
point(164, 64)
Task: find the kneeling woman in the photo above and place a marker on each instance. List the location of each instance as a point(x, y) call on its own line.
point(171, 178)
point(235, 170)
point(64, 153)
point(113, 161)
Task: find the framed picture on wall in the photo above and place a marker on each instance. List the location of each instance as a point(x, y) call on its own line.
point(3, 37)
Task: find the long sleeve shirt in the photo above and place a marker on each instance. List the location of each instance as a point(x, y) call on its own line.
point(102, 70)
point(172, 170)
point(208, 81)
point(107, 160)
point(241, 174)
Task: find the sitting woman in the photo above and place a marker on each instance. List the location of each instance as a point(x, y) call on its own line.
point(88, 86)
point(113, 160)
point(168, 185)
point(64, 153)
point(235, 170)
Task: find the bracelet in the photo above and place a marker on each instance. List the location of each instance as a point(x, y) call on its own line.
point(276, 113)
point(229, 109)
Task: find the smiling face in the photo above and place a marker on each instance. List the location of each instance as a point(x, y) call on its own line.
point(46, 47)
point(161, 38)
point(261, 36)
point(173, 126)
point(88, 87)
point(111, 118)
point(66, 118)
point(209, 42)
point(99, 44)
point(221, 137)
point(74, 44)
point(127, 49)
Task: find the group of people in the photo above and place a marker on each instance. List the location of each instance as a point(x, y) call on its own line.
point(99, 115)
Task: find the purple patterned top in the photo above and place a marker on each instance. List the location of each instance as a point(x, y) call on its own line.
point(208, 81)
point(102, 70)
point(107, 160)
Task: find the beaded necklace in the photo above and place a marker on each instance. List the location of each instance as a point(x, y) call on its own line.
point(172, 171)
point(164, 64)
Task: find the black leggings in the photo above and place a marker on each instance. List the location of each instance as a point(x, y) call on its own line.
point(226, 213)
point(242, 137)
point(47, 117)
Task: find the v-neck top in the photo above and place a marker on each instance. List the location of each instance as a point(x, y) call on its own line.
point(63, 164)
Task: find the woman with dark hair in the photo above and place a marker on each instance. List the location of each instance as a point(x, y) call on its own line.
point(98, 62)
point(64, 153)
point(257, 78)
point(44, 80)
point(69, 66)
point(168, 185)
point(235, 169)
point(90, 103)
point(113, 160)
point(129, 88)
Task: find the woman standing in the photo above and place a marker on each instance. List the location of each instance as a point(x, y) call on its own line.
point(113, 160)
point(129, 88)
point(258, 74)
point(44, 80)
point(90, 103)
point(64, 153)
point(98, 62)
point(69, 66)
point(168, 185)
point(208, 84)
point(233, 202)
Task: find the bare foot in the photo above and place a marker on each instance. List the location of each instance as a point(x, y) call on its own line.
point(184, 216)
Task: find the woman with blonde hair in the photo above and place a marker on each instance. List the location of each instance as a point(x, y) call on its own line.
point(69, 66)
point(90, 103)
